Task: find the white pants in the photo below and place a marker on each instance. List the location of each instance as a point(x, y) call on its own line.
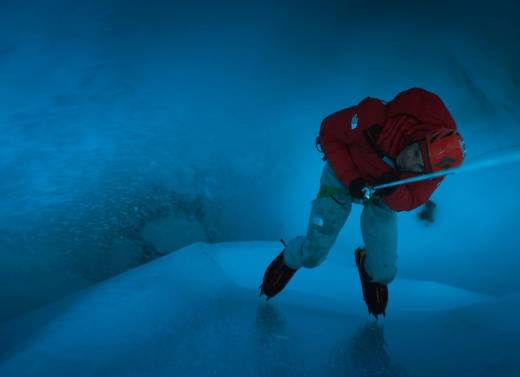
point(329, 213)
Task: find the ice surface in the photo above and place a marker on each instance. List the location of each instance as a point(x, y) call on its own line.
point(195, 312)
point(116, 113)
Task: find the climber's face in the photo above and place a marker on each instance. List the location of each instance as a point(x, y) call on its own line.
point(410, 159)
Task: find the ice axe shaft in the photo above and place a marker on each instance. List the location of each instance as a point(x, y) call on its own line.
point(486, 160)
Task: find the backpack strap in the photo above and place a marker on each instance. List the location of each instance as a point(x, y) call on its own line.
point(320, 149)
point(370, 133)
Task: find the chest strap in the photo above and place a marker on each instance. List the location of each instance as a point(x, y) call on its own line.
point(375, 129)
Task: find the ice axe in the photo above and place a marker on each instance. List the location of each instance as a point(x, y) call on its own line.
point(486, 160)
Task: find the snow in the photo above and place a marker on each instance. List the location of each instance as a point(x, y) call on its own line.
point(195, 312)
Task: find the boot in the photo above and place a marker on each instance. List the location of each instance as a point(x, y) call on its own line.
point(276, 277)
point(375, 294)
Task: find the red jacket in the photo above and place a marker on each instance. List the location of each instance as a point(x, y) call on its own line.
point(404, 120)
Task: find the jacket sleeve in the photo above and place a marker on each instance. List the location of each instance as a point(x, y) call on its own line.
point(412, 195)
point(337, 131)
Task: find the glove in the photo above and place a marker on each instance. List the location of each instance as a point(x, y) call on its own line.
point(385, 191)
point(386, 178)
point(357, 185)
point(356, 188)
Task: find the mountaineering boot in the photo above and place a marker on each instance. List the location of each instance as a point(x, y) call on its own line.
point(276, 277)
point(375, 294)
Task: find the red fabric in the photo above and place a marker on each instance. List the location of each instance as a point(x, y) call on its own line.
point(405, 120)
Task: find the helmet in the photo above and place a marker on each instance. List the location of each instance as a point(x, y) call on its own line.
point(442, 149)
